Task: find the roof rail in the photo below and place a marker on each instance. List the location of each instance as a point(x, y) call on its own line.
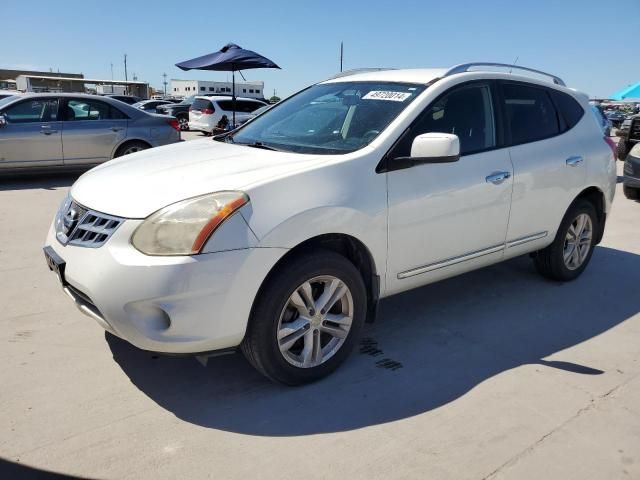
point(353, 71)
point(464, 67)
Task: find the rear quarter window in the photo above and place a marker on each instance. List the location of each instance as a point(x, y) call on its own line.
point(569, 109)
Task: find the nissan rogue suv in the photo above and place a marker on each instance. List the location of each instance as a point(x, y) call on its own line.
point(280, 238)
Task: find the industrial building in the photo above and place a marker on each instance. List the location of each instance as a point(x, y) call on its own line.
point(185, 88)
point(57, 82)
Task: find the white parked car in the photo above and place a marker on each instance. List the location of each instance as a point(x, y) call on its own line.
point(207, 111)
point(280, 238)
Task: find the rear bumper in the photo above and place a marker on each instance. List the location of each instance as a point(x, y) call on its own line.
point(200, 126)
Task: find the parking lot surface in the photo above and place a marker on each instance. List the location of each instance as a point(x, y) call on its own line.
point(494, 374)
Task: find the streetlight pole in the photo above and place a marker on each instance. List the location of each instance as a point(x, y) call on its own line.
point(164, 82)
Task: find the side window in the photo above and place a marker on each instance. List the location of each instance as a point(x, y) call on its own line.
point(570, 110)
point(465, 111)
point(530, 113)
point(79, 110)
point(33, 111)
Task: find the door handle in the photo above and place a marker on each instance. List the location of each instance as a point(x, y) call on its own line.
point(116, 129)
point(46, 129)
point(575, 160)
point(498, 177)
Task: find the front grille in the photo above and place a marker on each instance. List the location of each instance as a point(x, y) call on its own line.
point(79, 226)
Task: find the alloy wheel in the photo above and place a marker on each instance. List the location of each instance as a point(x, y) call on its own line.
point(315, 321)
point(577, 242)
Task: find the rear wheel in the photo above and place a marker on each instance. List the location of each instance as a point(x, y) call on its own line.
point(567, 257)
point(183, 122)
point(631, 193)
point(307, 318)
point(131, 147)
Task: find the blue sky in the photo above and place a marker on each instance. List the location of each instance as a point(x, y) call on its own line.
point(588, 43)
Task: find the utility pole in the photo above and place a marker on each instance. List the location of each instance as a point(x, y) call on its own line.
point(111, 70)
point(164, 82)
point(126, 79)
point(341, 54)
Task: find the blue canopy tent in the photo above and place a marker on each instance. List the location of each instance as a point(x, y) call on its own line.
point(229, 58)
point(632, 91)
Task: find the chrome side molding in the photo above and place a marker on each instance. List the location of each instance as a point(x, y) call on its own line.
point(528, 238)
point(450, 261)
point(470, 256)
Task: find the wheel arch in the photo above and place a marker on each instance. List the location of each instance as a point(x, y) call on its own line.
point(125, 142)
point(349, 247)
point(596, 197)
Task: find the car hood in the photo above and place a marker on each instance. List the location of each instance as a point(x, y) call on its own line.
point(141, 183)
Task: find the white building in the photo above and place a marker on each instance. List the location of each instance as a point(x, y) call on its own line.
point(186, 88)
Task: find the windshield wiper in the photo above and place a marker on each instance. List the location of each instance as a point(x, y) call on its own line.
point(259, 145)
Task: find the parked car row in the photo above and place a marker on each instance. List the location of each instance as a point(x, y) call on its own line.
point(75, 130)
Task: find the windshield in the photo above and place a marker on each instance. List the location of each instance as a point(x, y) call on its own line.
point(6, 100)
point(331, 118)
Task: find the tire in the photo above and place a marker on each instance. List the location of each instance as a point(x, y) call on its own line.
point(131, 147)
point(631, 193)
point(280, 340)
point(550, 261)
point(183, 121)
point(622, 149)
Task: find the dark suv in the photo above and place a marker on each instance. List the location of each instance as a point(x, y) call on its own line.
point(629, 138)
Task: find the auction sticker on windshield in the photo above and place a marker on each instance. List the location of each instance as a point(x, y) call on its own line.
point(386, 95)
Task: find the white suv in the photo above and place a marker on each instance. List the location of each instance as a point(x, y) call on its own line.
point(207, 111)
point(281, 237)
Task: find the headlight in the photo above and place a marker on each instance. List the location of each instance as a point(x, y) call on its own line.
point(184, 227)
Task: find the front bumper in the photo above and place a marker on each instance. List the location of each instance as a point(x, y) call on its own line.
point(181, 304)
point(631, 172)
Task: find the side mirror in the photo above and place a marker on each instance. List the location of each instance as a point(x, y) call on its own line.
point(435, 148)
point(3, 120)
point(428, 148)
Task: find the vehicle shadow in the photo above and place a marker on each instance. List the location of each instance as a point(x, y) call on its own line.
point(427, 348)
point(29, 182)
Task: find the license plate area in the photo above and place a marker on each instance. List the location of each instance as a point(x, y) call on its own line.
point(55, 263)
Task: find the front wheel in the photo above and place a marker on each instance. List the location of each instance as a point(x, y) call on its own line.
point(567, 257)
point(307, 318)
point(622, 149)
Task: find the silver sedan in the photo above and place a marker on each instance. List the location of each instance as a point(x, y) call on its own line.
point(51, 131)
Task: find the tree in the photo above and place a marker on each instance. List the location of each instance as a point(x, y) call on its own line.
point(274, 99)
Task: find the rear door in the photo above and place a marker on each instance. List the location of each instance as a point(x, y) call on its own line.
point(92, 130)
point(32, 134)
point(548, 161)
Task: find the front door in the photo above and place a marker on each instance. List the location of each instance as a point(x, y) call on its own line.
point(92, 130)
point(31, 136)
point(448, 218)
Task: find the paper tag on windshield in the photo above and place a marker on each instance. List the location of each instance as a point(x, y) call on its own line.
point(386, 95)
